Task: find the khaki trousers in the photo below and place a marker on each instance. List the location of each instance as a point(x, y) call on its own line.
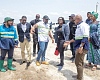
point(26, 45)
point(79, 62)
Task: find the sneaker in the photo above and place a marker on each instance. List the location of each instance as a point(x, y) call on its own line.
point(44, 62)
point(38, 63)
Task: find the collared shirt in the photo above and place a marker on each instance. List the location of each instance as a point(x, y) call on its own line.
point(43, 30)
point(24, 28)
point(81, 35)
point(82, 30)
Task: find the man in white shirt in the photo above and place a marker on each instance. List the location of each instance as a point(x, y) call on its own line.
point(43, 39)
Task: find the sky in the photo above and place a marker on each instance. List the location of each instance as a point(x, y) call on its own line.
point(53, 8)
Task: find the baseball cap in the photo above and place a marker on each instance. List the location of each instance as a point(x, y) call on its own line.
point(46, 17)
point(72, 15)
point(8, 19)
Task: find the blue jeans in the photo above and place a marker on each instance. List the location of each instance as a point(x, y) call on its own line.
point(42, 50)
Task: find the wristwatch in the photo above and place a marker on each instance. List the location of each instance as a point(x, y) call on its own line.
point(81, 45)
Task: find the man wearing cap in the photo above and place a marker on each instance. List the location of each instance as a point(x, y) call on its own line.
point(35, 35)
point(43, 39)
point(72, 27)
point(8, 40)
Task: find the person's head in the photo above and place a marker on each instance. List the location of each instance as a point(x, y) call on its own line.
point(61, 20)
point(20, 20)
point(94, 16)
point(8, 21)
point(24, 19)
point(72, 17)
point(78, 19)
point(45, 19)
point(37, 16)
point(89, 15)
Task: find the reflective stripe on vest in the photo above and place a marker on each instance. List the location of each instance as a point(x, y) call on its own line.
point(6, 32)
point(5, 36)
point(46, 30)
point(80, 37)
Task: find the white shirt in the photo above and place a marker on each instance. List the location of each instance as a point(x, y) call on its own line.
point(82, 31)
point(24, 28)
point(43, 30)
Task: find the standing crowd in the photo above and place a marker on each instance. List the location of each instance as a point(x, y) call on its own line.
point(83, 38)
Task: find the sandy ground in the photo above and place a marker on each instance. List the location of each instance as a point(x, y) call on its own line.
point(47, 72)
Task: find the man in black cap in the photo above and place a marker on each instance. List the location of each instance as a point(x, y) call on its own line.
point(72, 27)
point(35, 35)
point(43, 39)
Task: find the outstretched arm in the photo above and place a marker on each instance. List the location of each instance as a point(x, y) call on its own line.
point(33, 28)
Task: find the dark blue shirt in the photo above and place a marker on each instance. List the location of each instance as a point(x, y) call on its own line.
point(88, 21)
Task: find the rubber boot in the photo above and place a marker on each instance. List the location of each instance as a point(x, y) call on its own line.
point(9, 64)
point(2, 69)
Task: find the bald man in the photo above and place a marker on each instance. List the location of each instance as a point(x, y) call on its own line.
point(81, 44)
point(35, 35)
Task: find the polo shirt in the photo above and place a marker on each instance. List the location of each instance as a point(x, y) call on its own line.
point(43, 31)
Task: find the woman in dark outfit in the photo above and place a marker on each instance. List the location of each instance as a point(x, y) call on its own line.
point(61, 35)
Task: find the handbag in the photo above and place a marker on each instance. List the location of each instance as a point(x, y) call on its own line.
point(56, 51)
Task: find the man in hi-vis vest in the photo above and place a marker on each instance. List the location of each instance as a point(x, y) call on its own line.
point(43, 39)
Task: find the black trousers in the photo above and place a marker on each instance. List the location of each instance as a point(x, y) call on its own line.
point(34, 47)
point(72, 49)
point(35, 43)
point(61, 50)
point(5, 51)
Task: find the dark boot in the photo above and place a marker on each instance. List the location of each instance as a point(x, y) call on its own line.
point(60, 66)
point(14, 59)
point(22, 62)
point(34, 54)
point(61, 63)
point(28, 64)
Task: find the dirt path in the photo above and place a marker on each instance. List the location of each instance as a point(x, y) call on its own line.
point(47, 72)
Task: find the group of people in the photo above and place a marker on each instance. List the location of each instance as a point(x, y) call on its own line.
point(83, 38)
